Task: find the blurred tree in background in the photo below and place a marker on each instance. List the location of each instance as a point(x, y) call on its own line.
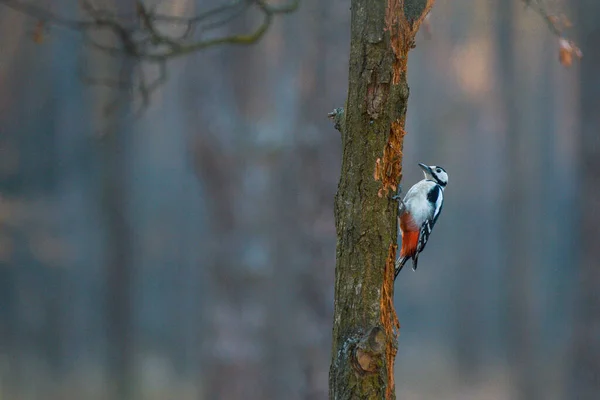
point(585, 374)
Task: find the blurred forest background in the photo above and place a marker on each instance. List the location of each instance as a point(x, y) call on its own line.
point(190, 253)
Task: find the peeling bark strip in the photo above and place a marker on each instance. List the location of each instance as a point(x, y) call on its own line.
point(365, 325)
point(389, 170)
point(389, 319)
point(403, 19)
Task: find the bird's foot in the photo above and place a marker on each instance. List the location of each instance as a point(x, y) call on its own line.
point(398, 197)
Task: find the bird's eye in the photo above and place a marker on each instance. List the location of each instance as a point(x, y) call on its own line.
point(438, 170)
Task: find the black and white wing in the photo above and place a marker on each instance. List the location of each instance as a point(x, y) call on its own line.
point(435, 196)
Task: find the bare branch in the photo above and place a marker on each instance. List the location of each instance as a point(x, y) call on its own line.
point(550, 20)
point(142, 35)
point(154, 44)
point(181, 49)
point(567, 49)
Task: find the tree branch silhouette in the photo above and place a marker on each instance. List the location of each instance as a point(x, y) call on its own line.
point(144, 34)
point(567, 49)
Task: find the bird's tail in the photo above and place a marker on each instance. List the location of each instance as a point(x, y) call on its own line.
point(400, 261)
point(415, 260)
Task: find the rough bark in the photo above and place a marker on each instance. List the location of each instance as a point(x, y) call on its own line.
point(372, 126)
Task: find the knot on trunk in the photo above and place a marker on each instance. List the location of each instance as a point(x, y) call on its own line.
point(337, 116)
point(367, 354)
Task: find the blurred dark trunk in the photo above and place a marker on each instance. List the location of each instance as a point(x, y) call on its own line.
point(115, 153)
point(282, 338)
point(31, 320)
point(466, 133)
point(585, 373)
point(217, 171)
point(518, 232)
point(313, 280)
point(230, 359)
point(547, 216)
point(118, 242)
point(469, 294)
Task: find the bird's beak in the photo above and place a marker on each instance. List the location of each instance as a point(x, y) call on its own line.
point(425, 168)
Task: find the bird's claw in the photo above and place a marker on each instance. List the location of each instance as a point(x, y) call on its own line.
point(398, 195)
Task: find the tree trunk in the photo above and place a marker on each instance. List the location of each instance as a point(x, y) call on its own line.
point(119, 274)
point(585, 374)
point(517, 229)
point(114, 159)
point(372, 127)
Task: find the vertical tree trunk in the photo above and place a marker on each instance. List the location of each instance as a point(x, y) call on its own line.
point(517, 230)
point(119, 277)
point(372, 128)
point(585, 374)
point(115, 189)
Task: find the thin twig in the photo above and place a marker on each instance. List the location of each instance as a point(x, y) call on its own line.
point(147, 89)
point(539, 9)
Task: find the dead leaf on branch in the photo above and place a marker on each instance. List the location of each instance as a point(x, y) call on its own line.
point(38, 32)
point(567, 49)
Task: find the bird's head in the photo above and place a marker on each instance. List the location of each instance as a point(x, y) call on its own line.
point(435, 173)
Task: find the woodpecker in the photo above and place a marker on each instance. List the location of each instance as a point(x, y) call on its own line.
point(418, 213)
